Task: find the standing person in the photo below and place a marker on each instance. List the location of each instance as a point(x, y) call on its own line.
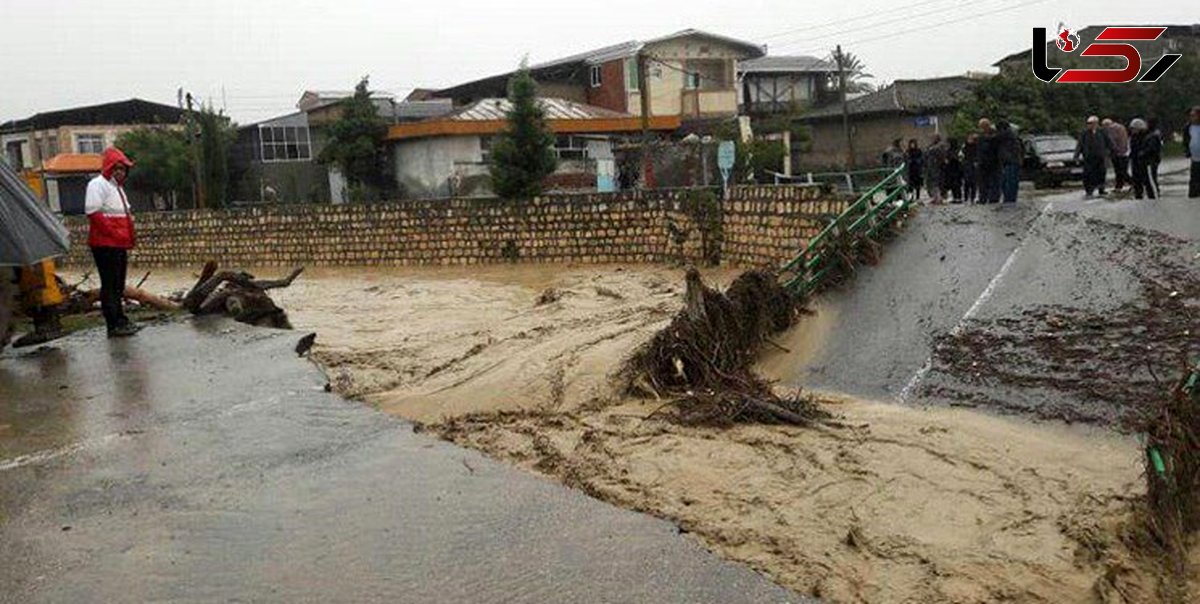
point(1008, 148)
point(1146, 153)
point(989, 163)
point(953, 172)
point(916, 167)
point(110, 235)
point(1120, 152)
point(893, 156)
point(1094, 147)
point(1191, 145)
point(935, 169)
point(970, 167)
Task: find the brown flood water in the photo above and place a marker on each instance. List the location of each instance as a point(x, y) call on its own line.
point(899, 505)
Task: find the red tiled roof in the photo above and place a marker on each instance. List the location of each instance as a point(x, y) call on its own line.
point(68, 163)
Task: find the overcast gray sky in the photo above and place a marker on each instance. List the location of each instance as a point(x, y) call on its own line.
point(256, 57)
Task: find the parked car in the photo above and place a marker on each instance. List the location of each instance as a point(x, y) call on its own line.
point(1050, 160)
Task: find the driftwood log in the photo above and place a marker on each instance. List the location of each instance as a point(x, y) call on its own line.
point(81, 301)
point(238, 295)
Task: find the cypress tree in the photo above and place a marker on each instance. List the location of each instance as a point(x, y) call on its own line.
point(523, 154)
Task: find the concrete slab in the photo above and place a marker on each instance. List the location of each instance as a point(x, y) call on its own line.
point(205, 462)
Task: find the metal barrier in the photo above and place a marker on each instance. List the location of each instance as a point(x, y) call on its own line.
point(872, 212)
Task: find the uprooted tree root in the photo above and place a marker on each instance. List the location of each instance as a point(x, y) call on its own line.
point(239, 296)
point(702, 360)
point(1172, 514)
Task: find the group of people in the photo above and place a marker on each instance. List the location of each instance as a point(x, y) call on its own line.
point(1109, 142)
point(985, 169)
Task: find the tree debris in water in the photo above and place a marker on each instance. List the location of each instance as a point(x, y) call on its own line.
point(1172, 459)
point(702, 360)
point(238, 295)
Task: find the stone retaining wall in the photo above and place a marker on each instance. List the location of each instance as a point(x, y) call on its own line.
point(759, 225)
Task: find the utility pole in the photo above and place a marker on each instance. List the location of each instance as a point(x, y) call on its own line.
point(841, 65)
point(197, 156)
point(644, 94)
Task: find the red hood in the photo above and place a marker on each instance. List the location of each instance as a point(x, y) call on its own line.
point(113, 157)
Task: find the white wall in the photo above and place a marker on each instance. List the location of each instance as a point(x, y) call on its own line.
point(424, 166)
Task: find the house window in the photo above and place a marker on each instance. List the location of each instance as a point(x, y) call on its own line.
point(632, 78)
point(285, 143)
point(570, 147)
point(16, 159)
point(485, 149)
point(89, 143)
point(596, 79)
point(691, 80)
point(52, 143)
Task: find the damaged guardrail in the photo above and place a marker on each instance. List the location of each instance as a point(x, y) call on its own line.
point(877, 209)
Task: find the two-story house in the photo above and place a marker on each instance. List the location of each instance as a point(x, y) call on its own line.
point(784, 84)
point(690, 74)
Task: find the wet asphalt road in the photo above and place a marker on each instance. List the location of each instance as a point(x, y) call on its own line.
point(203, 462)
point(955, 264)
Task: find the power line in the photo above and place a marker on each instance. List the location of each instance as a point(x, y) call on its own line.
point(905, 17)
point(848, 19)
point(862, 41)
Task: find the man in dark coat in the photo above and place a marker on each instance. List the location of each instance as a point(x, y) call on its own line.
point(935, 168)
point(953, 174)
point(1145, 150)
point(1008, 149)
point(1094, 147)
point(989, 163)
point(916, 167)
point(1191, 146)
point(970, 167)
point(893, 156)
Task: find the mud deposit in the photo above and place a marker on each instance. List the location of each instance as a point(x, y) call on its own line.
point(1095, 364)
point(898, 506)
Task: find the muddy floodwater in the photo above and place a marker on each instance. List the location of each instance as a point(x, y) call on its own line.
point(895, 503)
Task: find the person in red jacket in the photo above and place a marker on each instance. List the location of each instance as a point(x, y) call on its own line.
point(110, 235)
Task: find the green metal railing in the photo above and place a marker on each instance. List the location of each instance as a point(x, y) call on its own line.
point(872, 212)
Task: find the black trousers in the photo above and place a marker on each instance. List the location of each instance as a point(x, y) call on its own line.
point(1145, 180)
point(1194, 182)
point(989, 185)
point(969, 188)
point(111, 263)
point(1094, 174)
point(1121, 171)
